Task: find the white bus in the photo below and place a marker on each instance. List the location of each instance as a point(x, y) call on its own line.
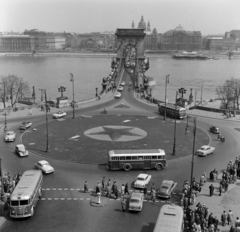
point(26, 194)
point(136, 159)
point(169, 219)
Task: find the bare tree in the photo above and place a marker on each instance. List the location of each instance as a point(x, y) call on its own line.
point(13, 87)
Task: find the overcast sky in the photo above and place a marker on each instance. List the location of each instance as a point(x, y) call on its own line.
point(82, 16)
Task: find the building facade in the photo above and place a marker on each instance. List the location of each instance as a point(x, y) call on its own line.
point(180, 39)
point(11, 43)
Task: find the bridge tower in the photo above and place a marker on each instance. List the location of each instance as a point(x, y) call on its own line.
point(126, 40)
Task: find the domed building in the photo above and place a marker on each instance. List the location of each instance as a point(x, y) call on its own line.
point(180, 39)
point(151, 37)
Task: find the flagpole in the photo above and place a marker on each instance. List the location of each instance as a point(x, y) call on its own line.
point(73, 105)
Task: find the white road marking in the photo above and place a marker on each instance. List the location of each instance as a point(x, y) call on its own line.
point(48, 189)
point(75, 137)
point(81, 199)
point(49, 198)
point(126, 120)
point(43, 199)
point(43, 189)
point(66, 189)
point(62, 198)
point(75, 199)
point(55, 198)
point(88, 199)
point(59, 189)
point(54, 189)
point(69, 198)
point(72, 189)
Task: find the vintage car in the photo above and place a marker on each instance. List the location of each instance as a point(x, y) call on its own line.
point(166, 189)
point(117, 95)
point(59, 114)
point(122, 83)
point(25, 125)
point(142, 181)
point(120, 88)
point(10, 136)
point(214, 130)
point(21, 150)
point(205, 150)
point(44, 166)
point(136, 201)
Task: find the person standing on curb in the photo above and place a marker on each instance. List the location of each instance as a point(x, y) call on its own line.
point(224, 218)
point(230, 217)
point(86, 187)
point(220, 189)
point(153, 195)
point(211, 188)
point(126, 189)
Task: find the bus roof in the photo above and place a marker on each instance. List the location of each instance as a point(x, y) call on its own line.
point(170, 219)
point(172, 106)
point(26, 185)
point(137, 152)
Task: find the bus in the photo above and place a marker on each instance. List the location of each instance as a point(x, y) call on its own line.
point(172, 110)
point(169, 219)
point(136, 159)
point(26, 194)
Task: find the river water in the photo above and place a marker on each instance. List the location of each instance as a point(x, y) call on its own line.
point(51, 72)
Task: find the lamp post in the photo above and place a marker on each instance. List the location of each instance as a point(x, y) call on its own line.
point(193, 148)
point(96, 92)
point(5, 121)
point(175, 126)
point(47, 140)
point(73, 106)
point(166, 82)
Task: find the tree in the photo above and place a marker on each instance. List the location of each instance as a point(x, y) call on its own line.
point(13, 88)
point(229, 93)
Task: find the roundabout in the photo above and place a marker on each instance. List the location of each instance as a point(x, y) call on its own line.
point(88, 140)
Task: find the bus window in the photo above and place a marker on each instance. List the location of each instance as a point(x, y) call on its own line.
point(134, 157)
point(160, 157)
point(14, 203)
point(24, 202)
point(140, 157)
point(122, 158)
point(128, 157)
point(147, 157)
point(154, 157)
point(115, 158)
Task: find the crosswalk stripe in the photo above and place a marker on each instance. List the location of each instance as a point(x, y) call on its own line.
point(72, 189)
point(55, 198)
point(43, 199)
point(54, 189)
point(49, 198)
point(81, 199)
point(59, 189)
point(43, 188)
point(66, 189)
point(75, 199)
point(62, 198)
point(88, 199)
point(79, 189)
point(48, 189)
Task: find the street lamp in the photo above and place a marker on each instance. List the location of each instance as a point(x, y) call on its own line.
point(73, 106)
point(193, 148)
point(166, 82)
point(5, 122)
point(46, 106)
point(175, 126)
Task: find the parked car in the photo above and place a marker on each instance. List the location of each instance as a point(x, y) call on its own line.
point(44, 166)
point(205, 150)
point(122, 83)
point(142, 181)
point(136, 201)
point(120, 88)
point(59, 114)
point(25, 125)
point(10, 136)
point(214, 130)
point(166, 189)
point(118, 95)
point(21, 150)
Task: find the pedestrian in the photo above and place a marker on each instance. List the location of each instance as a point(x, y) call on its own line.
point(220, 189)
point(153, 195)
point(211, 188)
point(86, 187)
point(230, 217)
point(226, 186)
point(210, 219)
point(122, 189)
point(145, 191)
point(124, 205)
point(98, 188)
point(126, 189)
point(103, 183)
point(237, 222)
point(109, 182)
point(116, 192)
point(152, 188)
point(224, 218)
point(216, 221)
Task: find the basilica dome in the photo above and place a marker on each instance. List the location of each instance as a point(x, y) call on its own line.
point(179, 29)
point(142, 24)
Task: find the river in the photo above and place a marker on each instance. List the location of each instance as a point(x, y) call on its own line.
point(51, 72)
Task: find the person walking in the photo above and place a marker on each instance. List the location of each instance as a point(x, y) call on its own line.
point(220, 189)
point(124, 205)
point(122, 189)
point(211, 188)
point(126, 189)
point(86, 187)
point(103, 183)
point(154, 195)
point(230, 217)
point(237, 223)
point(116, 192)
point(224, 218)
point(98, 188)
point(216, 221)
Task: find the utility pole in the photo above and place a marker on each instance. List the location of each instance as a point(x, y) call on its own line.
point(201, 92)
point(175, 125)
point(73, 105)
point(46, 106)
point(166, 82)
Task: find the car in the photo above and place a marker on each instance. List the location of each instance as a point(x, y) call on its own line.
point(205, 150)
point(166, 189)
point(214, 130)
point(44, 166)
point(120, 88)
point(122, 83)
point(133, 64)
point(127, 65)
point(136, 201)
point(118, 95)
point(25, 125)
point(142, 181)
point(59, 114)
point(20, 150)
point(10, 136)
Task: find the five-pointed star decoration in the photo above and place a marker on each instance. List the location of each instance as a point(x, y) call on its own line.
point(115, 133)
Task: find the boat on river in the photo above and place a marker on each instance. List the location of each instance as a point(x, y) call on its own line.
point(189, 55)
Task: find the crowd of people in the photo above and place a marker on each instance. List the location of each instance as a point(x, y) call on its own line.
point(200, 219)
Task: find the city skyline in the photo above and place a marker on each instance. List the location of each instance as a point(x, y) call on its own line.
point(82, 16)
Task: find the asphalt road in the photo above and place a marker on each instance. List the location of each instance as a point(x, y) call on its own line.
point(69, 209)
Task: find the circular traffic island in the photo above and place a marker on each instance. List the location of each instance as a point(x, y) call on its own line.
point(89, 139)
